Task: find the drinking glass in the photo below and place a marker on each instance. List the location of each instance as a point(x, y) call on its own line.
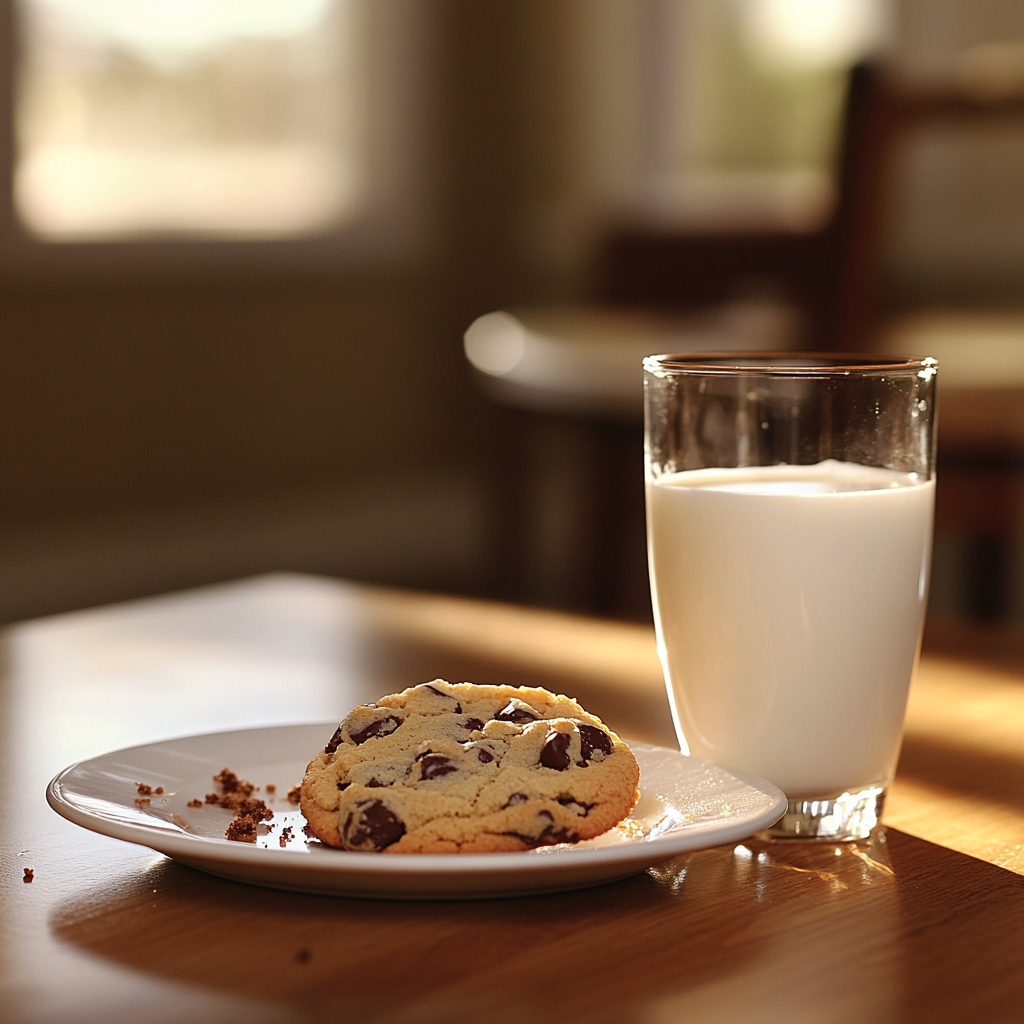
point(789, 521)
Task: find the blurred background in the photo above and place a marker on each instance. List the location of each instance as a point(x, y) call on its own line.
point(241, 242)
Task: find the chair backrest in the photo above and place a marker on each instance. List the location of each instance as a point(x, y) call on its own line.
point(834, 274)
point(829, 273)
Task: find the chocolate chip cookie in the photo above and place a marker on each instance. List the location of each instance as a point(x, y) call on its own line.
point(461, 768)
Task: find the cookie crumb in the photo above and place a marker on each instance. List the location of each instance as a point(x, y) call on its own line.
point(142, 801)
point(285, 837)
point(29, 875)
point(271, 788)
point(236, 795)
point(241, 830)
point(194, 803)
point(632, 829)
point(144, 790)
point(303, 956)
point(159, 790)
point(230, 783)
point(294, 794)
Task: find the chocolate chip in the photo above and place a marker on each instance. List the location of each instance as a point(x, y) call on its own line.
point(550, 836)
point(343, 785)
point(473, 723)
point(483, 756)
point(372, 825)
point(525, 840)
point(555, 752)
point(591, 739)
point(575, 806)
point(441, 693)
point(517, 798)
point(517, 713)
point(377, 784)
point(381, 727)
point(332, 743)
point(433, 766)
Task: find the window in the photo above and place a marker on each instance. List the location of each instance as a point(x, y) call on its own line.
point(217, 118)
point(250, 135)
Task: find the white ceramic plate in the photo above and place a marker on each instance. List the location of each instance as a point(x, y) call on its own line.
point(686, 804)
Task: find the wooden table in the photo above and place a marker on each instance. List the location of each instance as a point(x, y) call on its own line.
point(924, 922)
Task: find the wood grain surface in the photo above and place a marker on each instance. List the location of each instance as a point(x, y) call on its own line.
point(924, 922)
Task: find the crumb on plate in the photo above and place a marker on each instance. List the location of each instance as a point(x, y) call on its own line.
point(236, 795)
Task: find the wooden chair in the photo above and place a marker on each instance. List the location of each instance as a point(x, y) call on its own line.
point(828, 273)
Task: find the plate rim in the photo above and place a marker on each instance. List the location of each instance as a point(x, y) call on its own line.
point(174, 843)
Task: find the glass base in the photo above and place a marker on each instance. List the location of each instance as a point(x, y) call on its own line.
point(847, 816)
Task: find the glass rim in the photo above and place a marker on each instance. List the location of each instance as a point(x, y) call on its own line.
point(787, 364)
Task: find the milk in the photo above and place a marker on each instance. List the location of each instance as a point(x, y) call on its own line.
point(789, 603)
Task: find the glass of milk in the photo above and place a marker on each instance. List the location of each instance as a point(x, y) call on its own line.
point(789, 523)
